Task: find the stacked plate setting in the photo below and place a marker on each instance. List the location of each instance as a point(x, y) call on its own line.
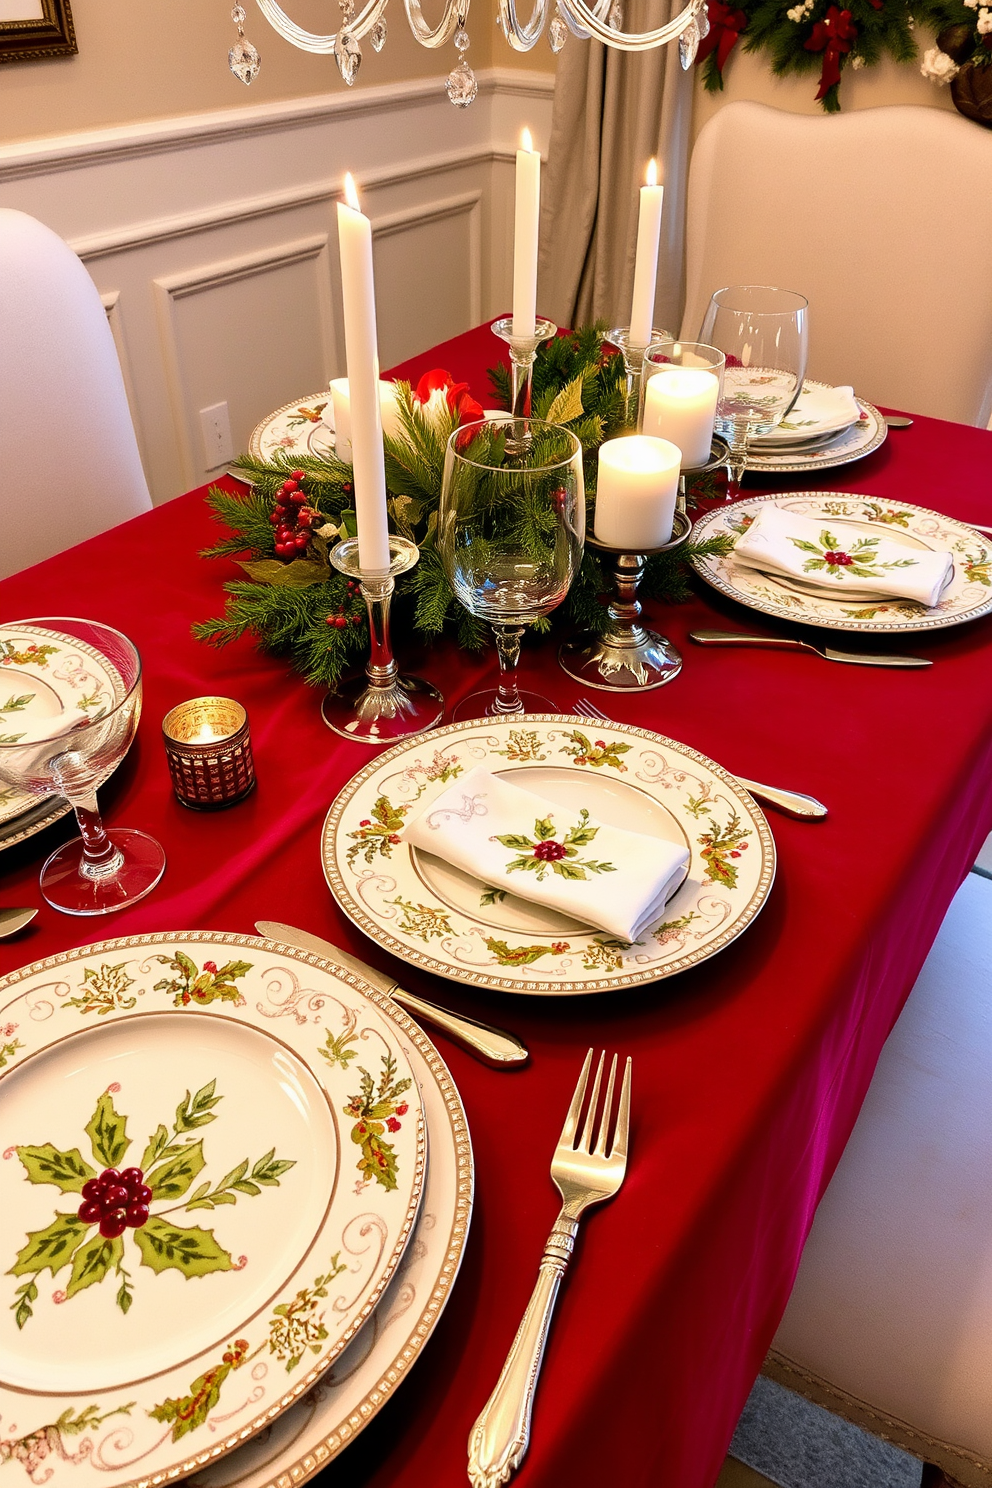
point(224, 1246)
point(826, 426)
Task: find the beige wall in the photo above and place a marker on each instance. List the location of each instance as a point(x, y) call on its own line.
point(749, 76)
point(151, 59)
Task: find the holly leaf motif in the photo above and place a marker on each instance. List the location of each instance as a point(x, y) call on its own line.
point(516, 842)
point(157, 1143)
point(107, 1131)
point(46, 1164)
point(192, 1251)
point(567, 404)
point(51, 1248)
point(544, 828)
point(299, 574)
point(92, 1261)
point(172, 1178)
point(195, 1110)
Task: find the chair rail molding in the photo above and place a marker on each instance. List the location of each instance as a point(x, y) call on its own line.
point(212, 239)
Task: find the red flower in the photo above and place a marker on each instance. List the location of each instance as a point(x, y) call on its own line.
point(437, 378)
point(459, 400)
point(726, 25)
point(392, 1124)
point(550, 852)
point(833, 37)
point(402, 1110)
point(210, 966)
point(842, 560)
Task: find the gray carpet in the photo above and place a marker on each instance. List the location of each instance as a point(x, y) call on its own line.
point(798, 1445)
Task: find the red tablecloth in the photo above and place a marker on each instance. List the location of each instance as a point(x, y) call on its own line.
point(748, 1071)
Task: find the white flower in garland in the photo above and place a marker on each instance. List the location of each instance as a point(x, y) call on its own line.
point(973, 4)
point(857, 62)
point(799, 12)
point(984, 21)
point(938, 66)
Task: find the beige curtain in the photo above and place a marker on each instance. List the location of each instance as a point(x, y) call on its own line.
point(612, 111)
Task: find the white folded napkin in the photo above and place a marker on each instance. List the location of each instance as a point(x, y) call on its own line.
point(839, 557)
point(564, 858)
point(817, 410)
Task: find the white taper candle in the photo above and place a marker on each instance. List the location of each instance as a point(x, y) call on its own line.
point(526, 222)
point(646, 260)
point(358, 294)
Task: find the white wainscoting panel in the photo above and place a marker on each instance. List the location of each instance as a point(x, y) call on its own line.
point(212, 240)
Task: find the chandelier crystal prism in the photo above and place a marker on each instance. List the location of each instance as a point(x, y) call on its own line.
point(602, 20)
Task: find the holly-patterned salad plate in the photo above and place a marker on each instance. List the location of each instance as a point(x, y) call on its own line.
point(44, 674)
point(358, 1384)
point(214, 1154)
point(967, 595)
point(305, 427)
point(429, 913)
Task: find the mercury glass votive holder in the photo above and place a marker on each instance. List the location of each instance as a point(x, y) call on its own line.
point(208, 747)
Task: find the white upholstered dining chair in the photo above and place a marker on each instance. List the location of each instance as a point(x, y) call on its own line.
point(69, 462)
point(890, 1320)
point(882, 218)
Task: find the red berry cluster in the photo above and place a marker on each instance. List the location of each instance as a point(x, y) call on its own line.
point(842, 560)
point(550, 852)
point(115, 1201)
point(292, 518)
point(340, 620)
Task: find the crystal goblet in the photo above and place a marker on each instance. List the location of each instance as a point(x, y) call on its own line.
point(764, 334)
point(72, 755)
point(511, 527)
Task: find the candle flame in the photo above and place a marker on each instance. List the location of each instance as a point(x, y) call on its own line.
point(351, 192)
point(526, 141)
point(651, 175)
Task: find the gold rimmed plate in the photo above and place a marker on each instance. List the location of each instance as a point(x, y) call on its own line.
point(429, 913)
point(216, 1151)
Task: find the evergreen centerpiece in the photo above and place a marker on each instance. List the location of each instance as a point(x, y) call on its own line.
point(297, 507)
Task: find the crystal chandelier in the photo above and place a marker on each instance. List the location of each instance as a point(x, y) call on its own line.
point(603, 19)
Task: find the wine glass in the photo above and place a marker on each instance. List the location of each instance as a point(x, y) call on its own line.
point(764, 334)
point(71, 755)
point(511, 525)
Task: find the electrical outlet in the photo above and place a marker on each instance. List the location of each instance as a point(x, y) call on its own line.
point(218, 447)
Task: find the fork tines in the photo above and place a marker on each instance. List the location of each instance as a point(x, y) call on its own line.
point(618, 1147)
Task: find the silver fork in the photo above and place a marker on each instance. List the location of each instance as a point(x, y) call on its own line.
point(792, 803)
point(583, 1175)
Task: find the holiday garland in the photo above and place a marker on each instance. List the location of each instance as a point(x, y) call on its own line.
point(820, 35)
point(293, 602)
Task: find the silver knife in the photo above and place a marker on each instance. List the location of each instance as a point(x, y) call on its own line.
point(491, 1045)
point(857, 658)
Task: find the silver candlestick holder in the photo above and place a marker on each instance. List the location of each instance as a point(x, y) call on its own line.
point(387, 705)
point(523, 350)
point(627, 656)
point(719, 455)
point(633, 361)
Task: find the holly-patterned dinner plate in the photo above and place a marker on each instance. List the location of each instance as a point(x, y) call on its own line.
point(43, 673)
point(215, 1150)
point(967, 595)
point(445, 921)
point(359, 1383)
point(305, 427)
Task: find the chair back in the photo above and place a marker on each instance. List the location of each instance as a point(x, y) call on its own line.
point(882, 218)
point(69, 461)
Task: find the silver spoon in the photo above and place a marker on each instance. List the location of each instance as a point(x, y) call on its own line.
point(12, 920)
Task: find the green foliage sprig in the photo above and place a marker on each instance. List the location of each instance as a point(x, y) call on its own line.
point(285, 605)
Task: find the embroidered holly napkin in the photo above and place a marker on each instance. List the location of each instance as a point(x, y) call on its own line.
point(817, 410)
point(524, 844)
point(837, 556)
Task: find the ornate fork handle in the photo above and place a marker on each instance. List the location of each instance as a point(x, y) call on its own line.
point(499, 1439)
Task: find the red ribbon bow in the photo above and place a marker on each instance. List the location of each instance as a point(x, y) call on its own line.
point(726, 25)
point(833, 37)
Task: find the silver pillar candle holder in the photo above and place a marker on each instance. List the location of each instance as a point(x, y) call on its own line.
point(719, 455)
point(208, 748)
point(633, 361)
point(384, 705)
point(627, 657)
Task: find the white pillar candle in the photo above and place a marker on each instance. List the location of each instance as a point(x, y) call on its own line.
point(389, 414)
point(358, 294)
point(680, 405)
point(526, 220)
point(646, 260)
point(636, 488)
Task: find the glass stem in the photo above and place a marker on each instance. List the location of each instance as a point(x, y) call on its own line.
point(101, 859)
point(378, 595)
point(508, 638)
point(737, 458)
